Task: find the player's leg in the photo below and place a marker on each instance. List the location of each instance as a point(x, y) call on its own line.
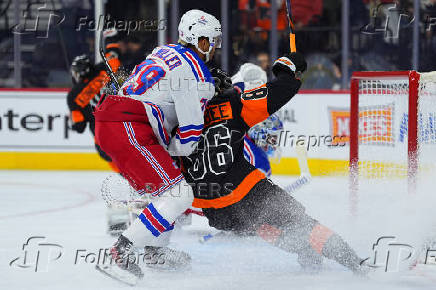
point(284, 223)
point(281, 220)
point(118, 218)
point(149, 170)
point(154, 225)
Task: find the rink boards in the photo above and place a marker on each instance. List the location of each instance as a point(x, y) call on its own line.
point(35, 133)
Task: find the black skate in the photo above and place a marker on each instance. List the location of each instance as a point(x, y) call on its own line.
point(123, 265)
point(164, 258)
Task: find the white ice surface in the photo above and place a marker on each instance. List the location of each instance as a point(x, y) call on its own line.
point(66, 208)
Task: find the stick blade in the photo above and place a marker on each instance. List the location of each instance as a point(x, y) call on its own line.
point(302, 159)
point(116, 273)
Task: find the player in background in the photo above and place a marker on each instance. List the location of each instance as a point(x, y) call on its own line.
point(261, 144)
point(261, 141)
point(239, 197)
point(158, 113)
point(88, 79)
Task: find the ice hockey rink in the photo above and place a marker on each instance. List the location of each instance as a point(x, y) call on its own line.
point(66, 208)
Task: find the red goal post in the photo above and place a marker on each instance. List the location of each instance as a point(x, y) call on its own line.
point(392, 119)
point(413, 81)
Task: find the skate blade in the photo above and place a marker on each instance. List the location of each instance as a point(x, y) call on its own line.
point(118, 274)
point(169, 268)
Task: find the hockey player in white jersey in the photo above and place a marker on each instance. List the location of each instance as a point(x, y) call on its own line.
point(158, 113)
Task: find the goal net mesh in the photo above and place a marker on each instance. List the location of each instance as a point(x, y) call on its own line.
point(427, 123)
point(383, 126)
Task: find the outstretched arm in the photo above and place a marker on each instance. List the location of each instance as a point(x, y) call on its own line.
point(259, 103)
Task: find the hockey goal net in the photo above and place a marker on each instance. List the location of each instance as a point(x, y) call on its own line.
point(392, 125)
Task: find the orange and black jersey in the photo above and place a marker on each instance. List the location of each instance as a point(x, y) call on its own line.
point(217, 170)
point(80, 96)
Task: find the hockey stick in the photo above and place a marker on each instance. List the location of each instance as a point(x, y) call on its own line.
point(305, 178)
point(292, 44)
point(109, 70)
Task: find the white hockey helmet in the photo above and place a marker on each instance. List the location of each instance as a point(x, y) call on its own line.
point(195, 24)
point(252, 75)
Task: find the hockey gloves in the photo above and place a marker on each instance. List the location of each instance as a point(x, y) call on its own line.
point(221, 79)
point(79, 127)
point(78, 120)
point(293, 63)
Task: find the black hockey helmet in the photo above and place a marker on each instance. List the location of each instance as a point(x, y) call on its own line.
point(81, 67)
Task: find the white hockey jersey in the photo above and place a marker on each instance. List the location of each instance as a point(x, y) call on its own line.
point(174, 85)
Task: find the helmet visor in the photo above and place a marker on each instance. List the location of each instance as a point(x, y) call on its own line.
point(216, 41)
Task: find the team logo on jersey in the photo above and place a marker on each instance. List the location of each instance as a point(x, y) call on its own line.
point(255, 94)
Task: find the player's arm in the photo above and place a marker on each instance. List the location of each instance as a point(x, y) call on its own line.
point(94, 86)
point(78, 114)
point(112, 55)
point(112, 40)
point(102, 78)
point(259, 103)
point(190, 118)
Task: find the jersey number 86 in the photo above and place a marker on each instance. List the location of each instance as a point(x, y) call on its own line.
point(213, 153)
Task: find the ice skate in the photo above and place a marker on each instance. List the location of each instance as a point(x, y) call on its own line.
point(165, 258)
point(123, 264)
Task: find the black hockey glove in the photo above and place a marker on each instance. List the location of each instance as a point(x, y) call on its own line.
point(221, 79)
point(292, 63)
point(79, 127)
